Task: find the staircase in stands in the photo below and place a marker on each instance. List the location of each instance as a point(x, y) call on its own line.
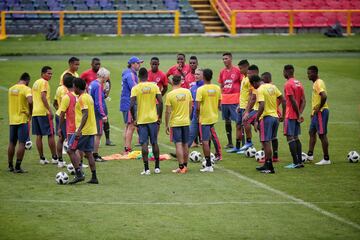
point(208, 16)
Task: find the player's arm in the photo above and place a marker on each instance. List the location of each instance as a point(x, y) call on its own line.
point(190, 108)
point(164, 90)
point(294, 105)
point(30, 103)
point(160, 108)
point(107, 88)
point(46, 104)
point(61, 122)
point(323, 99)
point(132, 108)
point(283, 105)
point(197, 109)
point(85, 113)
point(167, 119)
point(250, 105)
point(260, 110)
point(99, 103)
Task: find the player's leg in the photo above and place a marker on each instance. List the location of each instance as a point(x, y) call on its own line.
point(153, 133)
point(11, 148)
point(143, 137)
point(226, 116)
point(267, 127)
point(239, 131)
point(275, 149)
point(322, 131)
point(247, 126)
point(73, 146)
point(107, 133)
point(194, 131)
point(312, 138)
point(185, 147)
point(99, 129)
point(206, 135)
point(47, 128)
point(217, 145)
point(22, 133)
point(289, 131)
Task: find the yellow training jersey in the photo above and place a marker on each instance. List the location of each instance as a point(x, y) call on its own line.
point(268, 93)
point(318, 87)
point(60, 92)
point(244, 92)
point(208, 95)
point(85, 101)
point(179, 100)
point(39, 86)
point(75, 74)
point(255, 92)
point(18, 104)
point(145, 93)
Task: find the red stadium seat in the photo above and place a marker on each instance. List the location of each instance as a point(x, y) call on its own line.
point(257, 22)
point(243, 22)
point(282, 22)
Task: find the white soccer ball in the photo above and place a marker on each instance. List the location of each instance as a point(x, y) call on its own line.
point(70, 169)
point(304, 157)
point(353, 157)
point(62, 178)
point(212, 160)
point(28, 145)
point(195, 156)
point(260, 155)
point(250, 152)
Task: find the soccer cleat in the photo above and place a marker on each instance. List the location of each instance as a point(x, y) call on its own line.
point(54, 161)
point(299, 165)
point(240, 152)
point(246, 146)
point(77, 179)
point(229, 146)
point(233, 150)
point(145, 172)
point(260, 168)
point(83, 165)
point(109, 143)
point(157, 170)
point(323, 162)
point(218, 157)
point(93, 181)
point(10, 169)
point(268, 171)
point(43, 162)
point(310, 158)
point(290, 166)
point(275, 159)
point(178, 170)
point(61, 164)
point(184, 170)
point(20, 170)
point(173, 155)
point(98, 158)
point(207, 169)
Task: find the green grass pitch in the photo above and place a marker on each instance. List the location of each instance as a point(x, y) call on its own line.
point(235, 202)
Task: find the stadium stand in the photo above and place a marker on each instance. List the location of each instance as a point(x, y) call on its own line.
point(100, 23)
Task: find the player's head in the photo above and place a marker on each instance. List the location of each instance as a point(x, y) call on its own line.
point(79, 85)
point(266, 77)
point(25, 77)
point(180, 59)
point(176, 80)
point(143, 74)
point(288, 71)
point(312, 73)
point(243, 66)
point(199, 75)
point(227, 59)
point(154, 64)
point(74, 64)
point(193, 62)
point(68, 80)
point(255, 81)
point(95, 64)
point(208, 73)
point(253, 70)
point(46, 73)
point(134, 63)
point(103, 74)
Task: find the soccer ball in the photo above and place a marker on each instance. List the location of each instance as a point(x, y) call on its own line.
point(70, 169)
point(212, 158)
point(304, 157)
point(259, 155)
point(353, 157)
point(62, 178)
point(28, 145)
point(250, 152)
point(195, 156)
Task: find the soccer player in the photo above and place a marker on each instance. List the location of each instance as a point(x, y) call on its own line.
point(20, 109)
point(177, 116)
point(129, 80)
point(60, 93)
point(295, 104)
point(181, 68)
point(208, 101)
point(42, 115)
point(96, 91)
point(267, 118)
point(157, 76)
point(74, 64)
point(83, 138)
point(230, 80)
point(190, 77)
point(147, 117)
point(319, 116)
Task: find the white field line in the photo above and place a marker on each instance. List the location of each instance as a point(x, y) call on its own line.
point(4, 88)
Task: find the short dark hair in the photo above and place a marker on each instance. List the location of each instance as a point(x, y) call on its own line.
point(45, 69)
point(314, 69)
point(155, 59)
point(176, 79)
point(207, 73)
point(143, 74)
point(181, 54)
point(253, 67)
point(227, 54)
point(289, 67)
point(25, 77)
point(79, 83)
point(73, 59)
point(68, 80)
point(93, 60)
point(193, 58)
point(253, 79)
point(266, 75)
point(243, 62)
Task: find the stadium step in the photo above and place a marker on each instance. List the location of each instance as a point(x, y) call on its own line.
point(208, 16)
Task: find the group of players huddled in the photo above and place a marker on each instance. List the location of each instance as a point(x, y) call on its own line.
point(191, 111)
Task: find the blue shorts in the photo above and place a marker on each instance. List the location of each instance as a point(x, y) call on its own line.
point(319, 122)
point(291, 127)
point(63, 127)
point(42, 126)
point(19, 133)
point(146, 131)
point(180, 134)
point(268, 128)
point(240, 115)
point(229, 112)
point(99, 125)
point(205, 132)
point(85, 143)
point(252, 117)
